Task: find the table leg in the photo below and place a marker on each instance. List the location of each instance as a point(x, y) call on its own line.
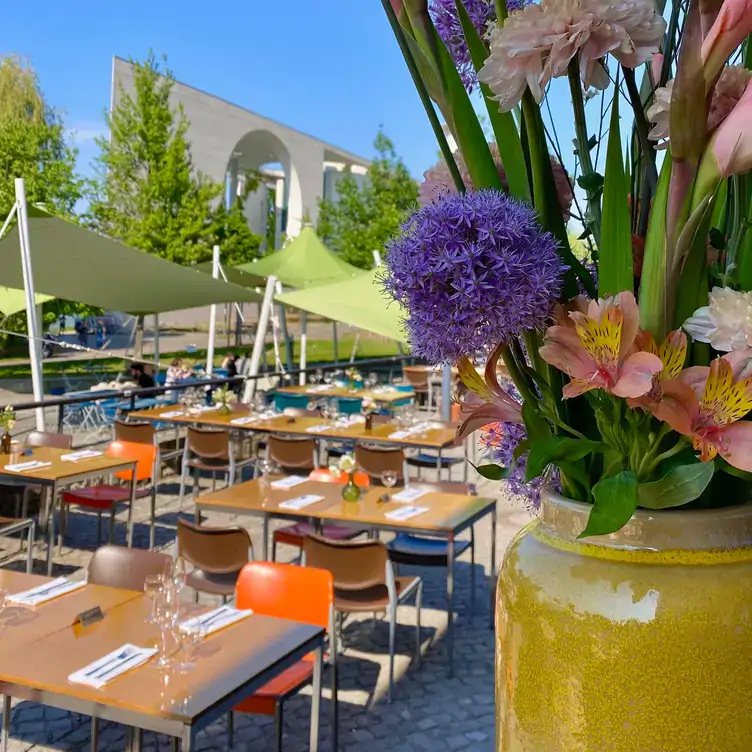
point(138, 739)
point(265, 539)
point(131, 504)
point(313, 744)
point(51, 528)
point(492, 575)
point(450, 605)
point(188, 738)
point(174, 744)
point(6, 724)
point(94, 734)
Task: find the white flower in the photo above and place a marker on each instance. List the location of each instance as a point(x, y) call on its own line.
point(726, 323)
point(346, 463)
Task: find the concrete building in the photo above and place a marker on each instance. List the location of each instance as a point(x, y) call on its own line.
point(228, 142)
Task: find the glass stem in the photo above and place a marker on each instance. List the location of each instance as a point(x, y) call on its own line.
point(163, 651)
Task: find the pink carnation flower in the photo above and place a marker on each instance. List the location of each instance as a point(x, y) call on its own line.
point(437, 181)
point(731, 84)
point(537, 43)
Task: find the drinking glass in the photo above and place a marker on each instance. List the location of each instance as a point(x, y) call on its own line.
point(389, 478)
point(152, 584)
point(319, 375)
point(190, 636)
point(179, 574)
point(166, 617)
point(328, 378)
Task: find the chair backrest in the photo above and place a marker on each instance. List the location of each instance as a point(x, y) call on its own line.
point(136, 431)
point(374, 460)
point(217, 550)
point(49, 439)
point(417, 376)
point(144, 455)
point(323, 475)
point(289, 451)
point(447, 486)
point(127, 568)
point(283, 400)
point(349, 405)
point(287, 591)
point(301, 412)
point(354, 565)
point(209, 443)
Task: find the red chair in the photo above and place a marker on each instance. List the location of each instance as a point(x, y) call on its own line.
point(301, 594)
point(295, 534)
point(107, 497)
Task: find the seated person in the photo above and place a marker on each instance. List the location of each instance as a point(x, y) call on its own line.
point(177, 372)
point(143, 379)
point(230, 365)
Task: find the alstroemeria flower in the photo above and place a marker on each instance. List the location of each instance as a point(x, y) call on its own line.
point(725, 323)
point(673, 353)
point(709, 410)
point(599, 353)
point(487, 403)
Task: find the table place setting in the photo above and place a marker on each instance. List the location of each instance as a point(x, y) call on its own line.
point(408, 494)
point(114, 664)
point(172, 414)
point(300, 502)
point(406, 513)
point(289, 481)
point(46, 592)
point(83, 454)
point(243, 421)
point(23, 467)
point(320, 428)
point(213, 621)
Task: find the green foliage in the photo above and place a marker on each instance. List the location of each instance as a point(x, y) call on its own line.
point(679, 486)
point(147, 193)
point(491, 471)
point(233, 235)
point(365, 217)
point(615, 503)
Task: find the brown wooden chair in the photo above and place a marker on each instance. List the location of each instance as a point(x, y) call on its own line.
point(144, 432)
point(374, 460)
point(364, 581)
point(424, 551)
point(417, 377)
point(208, 450)
point(292, 452)
point(126, 568)
point(217, 555)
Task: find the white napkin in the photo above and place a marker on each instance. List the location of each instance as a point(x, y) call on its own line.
point(318, 429)
point(207, 408)
point(289, 482)
point(104, 670)
point(245, 420)
point(21, 467)
point(399, 435)
point(420, 428)
point(409, 494)
point(84, 454)
point(320, 388)
point(356, 419)
point(217, 619)
point(172, 414)
point(46, 592)
point(300, 501)
point(405, 513)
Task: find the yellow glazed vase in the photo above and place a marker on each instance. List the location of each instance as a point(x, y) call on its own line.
point(640, 641)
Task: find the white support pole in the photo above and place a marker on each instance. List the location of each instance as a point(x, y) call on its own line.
point(212, 317)
point(303, 345)
point(376, 259)
point(446, 392)
point(32, 323)
point(259, 343)
point(156, 346)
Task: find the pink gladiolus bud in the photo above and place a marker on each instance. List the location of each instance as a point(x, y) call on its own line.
point(655, 65)
point(729, 30)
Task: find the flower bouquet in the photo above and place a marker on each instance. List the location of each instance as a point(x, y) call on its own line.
point(629, 345)
point(222, 398)
point(347, 465)
point(355, 377)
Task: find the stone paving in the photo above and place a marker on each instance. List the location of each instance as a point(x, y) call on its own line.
point(429, 712)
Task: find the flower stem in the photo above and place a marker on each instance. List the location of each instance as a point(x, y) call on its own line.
point(583, 146)
point(678, 447)
point(519, 379)
point(501, 11)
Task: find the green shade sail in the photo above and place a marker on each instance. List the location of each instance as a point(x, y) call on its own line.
point(73, 263)
point(304, 262)
point(12, 301)
point(360, 302)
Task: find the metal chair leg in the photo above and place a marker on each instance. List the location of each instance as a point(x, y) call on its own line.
point(94, 734)
point(418, 604)
point(152, 531)
point(472, 572)
point(231, 729)
point(181, 494)
point(274, 548)
point(278, 725)
point(392, 630)
point(30, 552)
point(99, 529)
point(112, 525)
point(5, 732)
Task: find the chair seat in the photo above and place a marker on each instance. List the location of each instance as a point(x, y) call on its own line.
point(422, 459)
point(293, 535)
point(211, 583)
point(370, 599)
point(420, 551)
point(263, 702)
point(101, 497)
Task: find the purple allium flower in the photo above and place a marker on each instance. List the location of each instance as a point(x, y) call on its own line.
point(449, 28)
point(471, 271)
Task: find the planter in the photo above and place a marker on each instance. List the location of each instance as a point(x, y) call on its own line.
point(5, 443)
point(351, 491)
point(639, 641)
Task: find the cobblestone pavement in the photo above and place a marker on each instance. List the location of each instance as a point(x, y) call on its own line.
point(429, 712)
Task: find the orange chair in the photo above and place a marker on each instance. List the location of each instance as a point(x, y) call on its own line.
point(106, 496)
point(302, 594)
point(294, 535)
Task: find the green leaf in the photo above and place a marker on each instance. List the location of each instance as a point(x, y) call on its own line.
point(722, 466)
point(502, 123)
point(556, 449)
point(615, 270)
point(591, 183)
point(492, 472)
point(615, 503)
point(522, 447)
point(678, 486)
point(536, 425)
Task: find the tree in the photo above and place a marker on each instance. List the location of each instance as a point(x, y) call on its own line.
point(147, 192)
point(366, 215)
point(32, 144)
point(233, 235)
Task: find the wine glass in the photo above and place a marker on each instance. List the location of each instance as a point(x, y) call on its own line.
point(153, 583)
point(166, 617)
point(190, 636)
point(389, 478)
point(179, 574)
point(328, 378)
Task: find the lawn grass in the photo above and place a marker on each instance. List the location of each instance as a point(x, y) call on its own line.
point(318, 351)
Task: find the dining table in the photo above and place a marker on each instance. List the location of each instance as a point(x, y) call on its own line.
point(437, 515)
point(381, 395)
point(43, 646)
point(53, 469)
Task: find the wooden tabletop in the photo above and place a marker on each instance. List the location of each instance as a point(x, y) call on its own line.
point(224, 662)
point(436, 436)
point(385, 394)
point(58, 469)
point(22, 625)
point(447, 512)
